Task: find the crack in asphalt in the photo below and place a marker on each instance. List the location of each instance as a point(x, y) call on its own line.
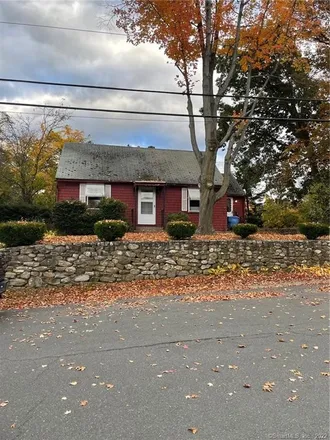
point(157, 344)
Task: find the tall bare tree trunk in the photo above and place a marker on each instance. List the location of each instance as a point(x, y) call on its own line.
point(207, 193)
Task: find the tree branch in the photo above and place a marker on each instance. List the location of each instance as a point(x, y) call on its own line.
point(222, 88)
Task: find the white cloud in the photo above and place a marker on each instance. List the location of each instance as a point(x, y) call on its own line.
point(77, 57)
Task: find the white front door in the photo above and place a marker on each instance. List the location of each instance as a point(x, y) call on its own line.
point(147, 206)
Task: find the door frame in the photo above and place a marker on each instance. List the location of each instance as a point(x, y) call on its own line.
point(140, 220)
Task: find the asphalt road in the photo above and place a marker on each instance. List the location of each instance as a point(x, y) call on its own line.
point(156, 368)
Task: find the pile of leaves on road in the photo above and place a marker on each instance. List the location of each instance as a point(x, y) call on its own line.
point(105, 294)
point(162, 236)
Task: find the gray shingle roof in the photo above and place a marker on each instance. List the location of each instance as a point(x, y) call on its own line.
point(85, 161)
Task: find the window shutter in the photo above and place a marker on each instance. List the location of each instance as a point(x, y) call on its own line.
point(184, 199)
point(82, 192)
point(107, 191)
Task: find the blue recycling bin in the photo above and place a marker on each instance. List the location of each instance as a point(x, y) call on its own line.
point(232, 221)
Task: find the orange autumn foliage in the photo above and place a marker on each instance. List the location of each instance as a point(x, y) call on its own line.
point(248, 34)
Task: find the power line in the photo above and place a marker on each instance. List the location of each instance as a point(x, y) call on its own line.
point(164, 92)
point(107, 119)
point(135, 112)
point(62, 28)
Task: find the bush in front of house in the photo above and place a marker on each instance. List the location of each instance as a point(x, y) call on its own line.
point(21, 233)
point(67, 216)
point(23, 211)
point(313, 230)
point(254, 219)
point(110, 230)
point(180, 230)
point(112, 209)
point(290, 218)
point(278, 214)
point(245, 229)
point(86, 223)
point(177, 217)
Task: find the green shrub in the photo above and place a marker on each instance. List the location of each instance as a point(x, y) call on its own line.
point(86, 223)
point(254, 219)
point(177, 217)
point(316, 204)
point(109, 230)
point(112, 209)
point(290, 217)
point(21, 233)
point(279, 215)
point(244, 230)
point(313, 230)
point(67, 216)
point(23, 211)
point(180, 230)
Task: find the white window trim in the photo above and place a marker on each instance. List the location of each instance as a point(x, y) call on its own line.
point(193, 194)
point(230, 213)
point(184, 199)
point(105, 191)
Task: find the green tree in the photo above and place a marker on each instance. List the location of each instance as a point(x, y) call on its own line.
point(29, 153)
point(286, 157)
point(315, 206)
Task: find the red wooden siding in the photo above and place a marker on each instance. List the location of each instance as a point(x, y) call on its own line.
point(173, 204)
point(239, 207)
point(126, 192)
point(67, 190)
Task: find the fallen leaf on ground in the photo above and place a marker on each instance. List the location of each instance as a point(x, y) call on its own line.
point(3, 403)
point(80, 368)
point(327, 361)
point(83, 402)
point(13, 426)
point(304, 346)
point(109, 386)
point(193, 430)
point(241, 346)
point(105, 294)
point(325, 373)
point(233, 367)
point(216, 370)
point(247, 385)
point(192, 396)
point(292, 398)
point(268, 386)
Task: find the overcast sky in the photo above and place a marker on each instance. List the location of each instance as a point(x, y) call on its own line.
point(89, 58)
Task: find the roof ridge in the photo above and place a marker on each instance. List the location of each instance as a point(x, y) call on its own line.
point(129, 146)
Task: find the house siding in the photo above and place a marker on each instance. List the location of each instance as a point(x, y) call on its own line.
point(239, 207)
point(173, 204)
point(168, 200)
point(125, 192)
point(67, 191)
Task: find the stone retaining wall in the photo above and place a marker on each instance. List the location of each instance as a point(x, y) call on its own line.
point(44, 265)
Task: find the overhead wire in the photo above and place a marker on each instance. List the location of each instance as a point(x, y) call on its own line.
point(164, 92)
point(62, 28)
point(137, 112)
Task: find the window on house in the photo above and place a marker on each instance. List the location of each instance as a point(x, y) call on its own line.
point(193, 200)
point(230, 206)
point(92, 193)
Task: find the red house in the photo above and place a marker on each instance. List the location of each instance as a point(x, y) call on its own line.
point(152, 182)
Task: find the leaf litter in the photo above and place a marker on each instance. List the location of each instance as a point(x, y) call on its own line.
point(195, 288)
